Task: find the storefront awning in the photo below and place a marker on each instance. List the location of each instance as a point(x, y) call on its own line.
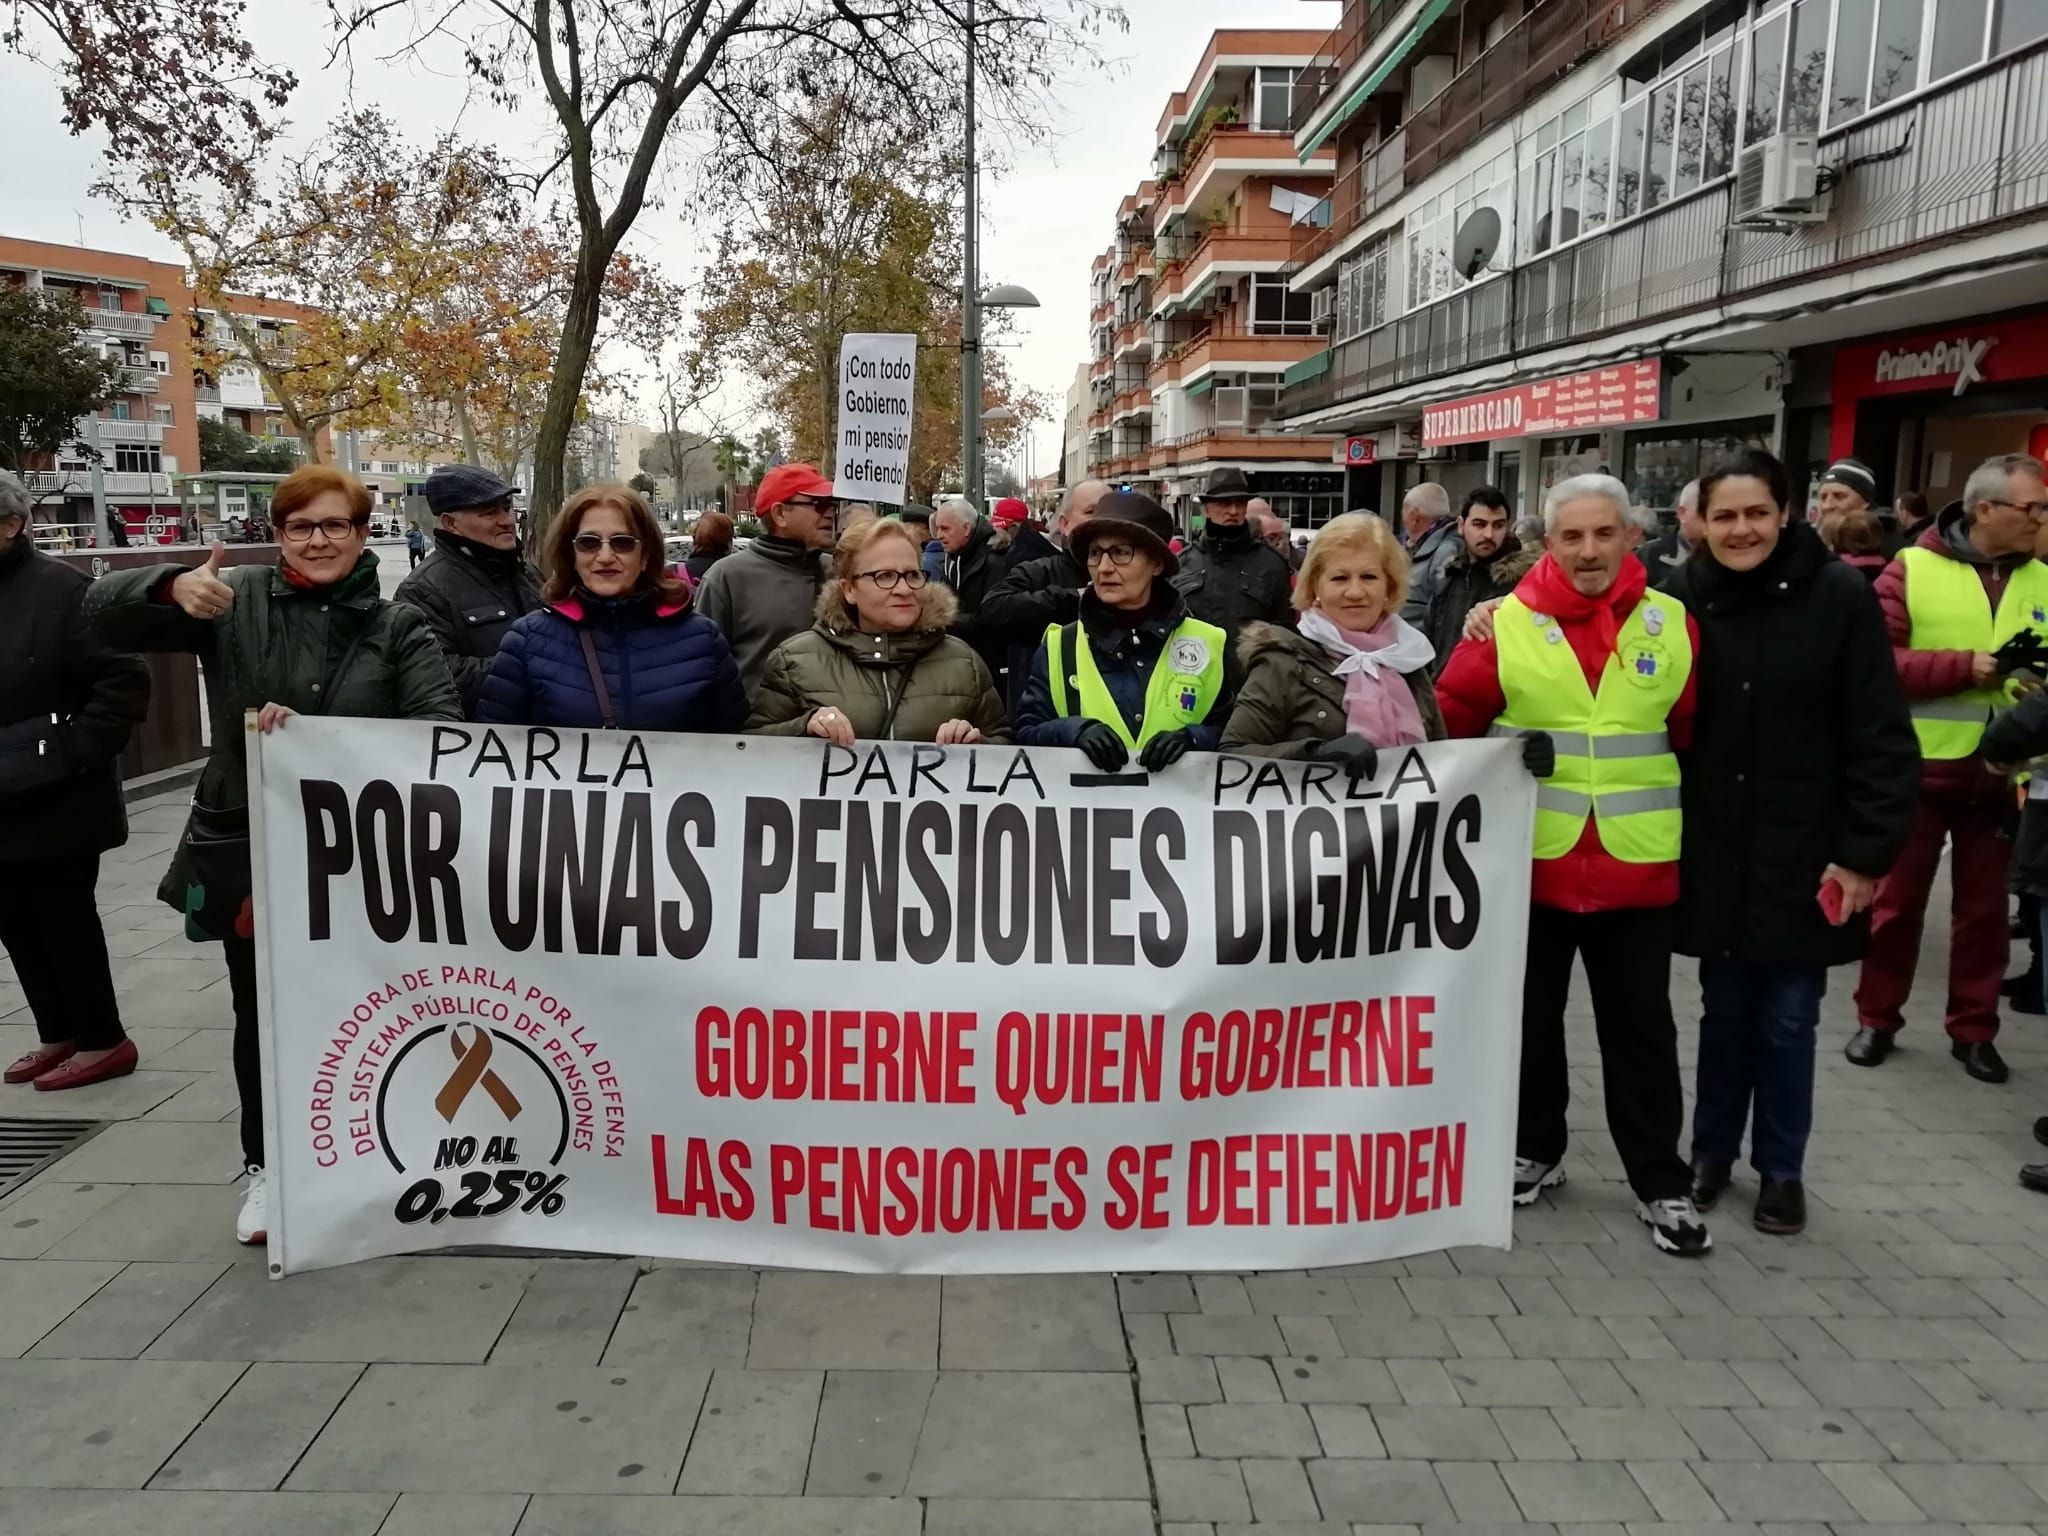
point(1308, 368)
point(1201, 386)
point(1396, 56)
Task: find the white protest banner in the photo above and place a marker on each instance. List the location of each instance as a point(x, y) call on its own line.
point(897, 1007)
point(877, 400)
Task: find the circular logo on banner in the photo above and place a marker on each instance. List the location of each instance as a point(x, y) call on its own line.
point(1190, 655)
point(473, 1095)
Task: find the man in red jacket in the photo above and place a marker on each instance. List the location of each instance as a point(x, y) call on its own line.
point(1607, 835)
point(1945, 628)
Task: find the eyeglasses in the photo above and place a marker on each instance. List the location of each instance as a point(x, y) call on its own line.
point(826, 508)
point(1115, 554)
point(2031, 508)
point(591, 543)
point(887, 581)
point(333, 529)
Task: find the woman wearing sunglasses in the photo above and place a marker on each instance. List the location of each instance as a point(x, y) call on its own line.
point(311, 635)
point(616, 646)
point(878, 665)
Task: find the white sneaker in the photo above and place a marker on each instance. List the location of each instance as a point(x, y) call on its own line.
point(253, 1224)
point(1675, 1227)
point(1532, 1178)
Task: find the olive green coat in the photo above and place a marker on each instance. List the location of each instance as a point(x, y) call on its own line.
point(278, 644)
point(833, 665)
point(1291, 700)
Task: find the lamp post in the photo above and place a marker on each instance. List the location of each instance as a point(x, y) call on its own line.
point(972, 300)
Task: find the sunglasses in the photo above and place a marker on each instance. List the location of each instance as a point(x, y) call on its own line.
point(591, 543)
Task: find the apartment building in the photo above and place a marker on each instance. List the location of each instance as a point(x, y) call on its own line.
point(1193, 321)
point(1579, 234)
point(132, 311)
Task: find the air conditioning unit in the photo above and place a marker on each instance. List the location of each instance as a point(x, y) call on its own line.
point(1777, 181)
point(1323, 310)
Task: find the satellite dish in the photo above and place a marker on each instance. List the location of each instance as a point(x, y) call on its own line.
point(1476, 241)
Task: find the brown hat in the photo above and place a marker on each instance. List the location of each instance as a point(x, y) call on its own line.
point(1128, 515)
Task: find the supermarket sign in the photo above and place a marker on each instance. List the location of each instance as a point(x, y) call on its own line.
point(1600, 397)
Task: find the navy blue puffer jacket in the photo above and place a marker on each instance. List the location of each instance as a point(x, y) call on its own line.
point(668, 669)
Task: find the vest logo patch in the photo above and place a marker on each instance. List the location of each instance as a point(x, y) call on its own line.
point(1187, 701)
point(2040, 614)
point(1645, 662)
point(1190, 655)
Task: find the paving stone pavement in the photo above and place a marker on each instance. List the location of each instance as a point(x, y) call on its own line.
point(1886, 1373)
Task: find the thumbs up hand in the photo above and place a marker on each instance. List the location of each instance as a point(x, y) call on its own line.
point(201, 592)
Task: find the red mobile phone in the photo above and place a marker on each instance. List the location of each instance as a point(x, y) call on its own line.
point(1831, 900)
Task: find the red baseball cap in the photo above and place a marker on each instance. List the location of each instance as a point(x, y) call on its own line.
point(1010, 511)
point(788, 480)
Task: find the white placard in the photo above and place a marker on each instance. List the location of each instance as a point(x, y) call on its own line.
point(877, 403)
point(899, 1007)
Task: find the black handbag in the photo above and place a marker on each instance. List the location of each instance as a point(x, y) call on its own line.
point(32, 755)
point(220, 879)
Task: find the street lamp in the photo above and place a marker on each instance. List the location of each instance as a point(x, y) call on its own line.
point(972, 300)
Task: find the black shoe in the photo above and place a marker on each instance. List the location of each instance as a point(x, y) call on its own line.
point(1868, 1047)
point(1532, 1178)
point(2041, 1130)
point(2035, 1177)
point(1781, 1207)
point(1980, 1059)
point(2023, 995)
point(1709, 1182)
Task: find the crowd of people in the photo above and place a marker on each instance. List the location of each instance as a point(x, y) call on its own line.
point(1747, 749)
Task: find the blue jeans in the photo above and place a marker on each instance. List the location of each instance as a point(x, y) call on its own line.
point(1757, 1026)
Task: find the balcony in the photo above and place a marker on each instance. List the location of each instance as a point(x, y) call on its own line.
point(1548, 40)
point(1132, 402)
point(140, 381)
point(1130, 337)
point(1372, 184)
point(1977, 160)
point(1241, 442)
point(1231, 152)
point(78, 482)
point(1217, 250)
point(1232, 346)
point(118, 322)
point(1360, 25)
point(111, 431)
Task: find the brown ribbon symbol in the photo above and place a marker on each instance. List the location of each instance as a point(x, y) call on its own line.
point(473, 1066)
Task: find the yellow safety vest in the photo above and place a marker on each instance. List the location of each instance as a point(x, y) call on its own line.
point(1946, 604)
point(1184, 687)
point(1614, 757)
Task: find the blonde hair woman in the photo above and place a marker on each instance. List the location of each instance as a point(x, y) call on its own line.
point(1355, 678)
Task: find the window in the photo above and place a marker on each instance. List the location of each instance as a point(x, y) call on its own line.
point(138, 458)
point(163, 415)
point(119, 409)
point(1895, 57)
point(1849, 80)
point(1663, 131)
point(1766, 80)
point(1278, 311)
point(387, 468)
point(1958, 36)
point(1273, 97)
point(1806, 68)
point(2019, 21)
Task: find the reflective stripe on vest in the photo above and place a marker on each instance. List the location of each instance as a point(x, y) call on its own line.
point(1185, 684)
point(1948, 610)
point(1614, 757)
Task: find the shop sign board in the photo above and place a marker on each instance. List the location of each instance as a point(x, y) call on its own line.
point(1598, 397)
point(1954, 359)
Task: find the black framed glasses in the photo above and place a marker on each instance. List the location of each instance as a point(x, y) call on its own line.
point(591, 543)
point(333, 529)
point(888, 581)
point(823, 508)
point(1115, 554)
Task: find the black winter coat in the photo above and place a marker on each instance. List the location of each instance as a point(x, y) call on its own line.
point(2015, 736)
point(1803, 754)
point(979, 566)
point(1031, 598)
point(471, 596)
point(1230, 579)
point(63, 799)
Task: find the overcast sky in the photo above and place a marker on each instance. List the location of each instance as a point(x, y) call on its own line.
point(1042, 223)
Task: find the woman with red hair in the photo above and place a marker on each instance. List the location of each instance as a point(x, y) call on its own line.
point(311, 634)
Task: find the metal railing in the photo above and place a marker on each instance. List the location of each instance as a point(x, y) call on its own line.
point(1361, 23)
point(108, 430)
point(1370, 185)
point(117, 322)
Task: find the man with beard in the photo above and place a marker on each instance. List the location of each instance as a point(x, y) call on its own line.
point(1486, 565)
point(1229, 577)
point(477, 583)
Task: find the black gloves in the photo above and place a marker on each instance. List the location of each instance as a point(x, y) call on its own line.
point(1539, 754)
point(2024, 652)
point(1164, 750)
point(1105, 749)
point(1359, 757)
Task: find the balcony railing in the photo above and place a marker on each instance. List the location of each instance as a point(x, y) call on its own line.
point(1547, 41)
point(140, 381)
point(118, 322)
point(78, 482)
point(111, 431)
point(1358, 194)
point(1978, 157)
point(1361, 23)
